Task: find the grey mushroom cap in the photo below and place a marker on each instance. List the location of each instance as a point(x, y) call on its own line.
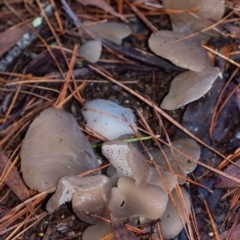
point(54, 147)
point(171, 223)
point(180, 164)
point(127, 160)
point(207, 13)
point(102, 117)
point(188, 54)
point(129, 200)
point(91, 50)
point(88, 194)
point(111, 31)
point(189, 86)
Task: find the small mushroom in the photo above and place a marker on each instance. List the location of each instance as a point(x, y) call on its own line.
point(187, 54)
point(54, 147)
point(89, 195)
point(127, 160)
point(189, 86)
point(108, 119)
point(171, 223)
point(111, 31)
point(100, 230)
point(129, 200)
point(207, 13)
point(91, 50)
point(179, 163)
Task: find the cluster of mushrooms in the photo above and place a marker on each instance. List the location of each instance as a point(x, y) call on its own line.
point(54, 151)
point(183, 47)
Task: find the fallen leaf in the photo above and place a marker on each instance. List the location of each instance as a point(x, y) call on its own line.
point(235, 234)
point(120, 231)
point(10, 37)
point(103, 5)
point(14, 181)
point(223, 182)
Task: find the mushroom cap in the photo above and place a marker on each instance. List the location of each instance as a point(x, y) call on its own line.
point(207, 13)
point(127, 160)
point(88, 194)
point(179, 163)
point(187, 54)
point(155, 179)
point(111, 31)
point(108, 119)
point(91, 50)
point(100, 230)
point(129, 200)
point(189, 86)
point(54, 147)
point(171, 223)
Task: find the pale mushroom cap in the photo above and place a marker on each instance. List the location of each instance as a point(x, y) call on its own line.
point(87, 192)
point(169, 178)
point(54, 147)
point(108, 119)
point(100, 230)
point(208, 13)
point(171, 223)
point(179, 163)
point(111, 31)
point(127, 160)
point(189, 86)
point(91, 50)
point(149, 200)
point(187, 54)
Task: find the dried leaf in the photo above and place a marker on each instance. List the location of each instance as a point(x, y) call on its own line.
point(10, 37)
point(103, 5)
point(15, 182)
point(223, 182)
point(235, 234)
point(120, 231)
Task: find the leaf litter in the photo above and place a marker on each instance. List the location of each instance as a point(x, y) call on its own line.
point(43, 72)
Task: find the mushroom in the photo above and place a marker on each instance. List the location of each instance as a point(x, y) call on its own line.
point(180, 164)
point(108, 119)
point(207, 12)
point(91, 50)
point(54, 147)
point(111, 31)
point(187, 54)
point(89, 195)
point(171, 223)
point(129, 200)
point(128, 161)
point(189, 86)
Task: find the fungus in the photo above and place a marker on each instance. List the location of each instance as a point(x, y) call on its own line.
point(179, 163)
point(102, 117)
point(91, 50)
point(111, 31)
point(54, 147)
point(189, 86)
point(129, 200)
point(89, 195)
point(127, 160)
point(187, 54)
point(171, 223)
point(208, 12)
